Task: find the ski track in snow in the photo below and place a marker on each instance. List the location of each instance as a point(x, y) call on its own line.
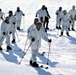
point(62, 58)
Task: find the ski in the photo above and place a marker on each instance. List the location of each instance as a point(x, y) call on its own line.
point(17, 49)
point(41, 54)
point(21, 30)
point(40, 66)
point(8, 50)
point(52, 29)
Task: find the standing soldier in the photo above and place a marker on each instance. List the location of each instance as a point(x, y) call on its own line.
point(72, 13)
point(59, 14)
point(5, 33)
point(35, 37)
point(66, 20)
point(12, 21)
point(46, 18)
point(18, 14)
point(41, 13)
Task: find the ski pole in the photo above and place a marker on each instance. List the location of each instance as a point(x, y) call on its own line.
point(1, 39)
point(58, 32)
point(18, 38)
point(25, 45)
point(48, 57)
point(23, 22)
point(48, 54)
point(25, 53)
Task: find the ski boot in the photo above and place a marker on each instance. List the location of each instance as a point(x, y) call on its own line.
point(8, 48)
point(0, 48)
point(13, 41)
point(35, 64)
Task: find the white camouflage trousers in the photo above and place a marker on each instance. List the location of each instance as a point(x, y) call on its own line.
point(18, 23)
point(7, 39)
point(64, 28)
point(34, 55)
point(58, 22)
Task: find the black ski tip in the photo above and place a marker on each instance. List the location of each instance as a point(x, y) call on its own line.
point(41, 66)
point(42, 53)
point(46, 67)
point(19, 63)
point(23, 51)
point(47, 63)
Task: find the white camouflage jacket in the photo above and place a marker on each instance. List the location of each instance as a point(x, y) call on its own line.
point(18, 15)
point(66, 20)
point(12, 20)
point(5, 28)
point(41, 13)
point(72, 13)
point(37, 35)
point(59, 14)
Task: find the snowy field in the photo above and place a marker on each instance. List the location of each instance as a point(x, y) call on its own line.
point(62, 59)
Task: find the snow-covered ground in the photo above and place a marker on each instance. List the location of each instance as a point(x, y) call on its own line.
point(62, 59)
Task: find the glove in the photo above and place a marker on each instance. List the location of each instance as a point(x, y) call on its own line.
point(36, 15)
point(23, 14)
point(14, 23)
point(45, 30)
point(33, 39)
point(60, 19)
point(2, 18)
point(10, 32)
point(49, 40)
point(56, 13)
point(49, 16)
point(28, 31)
point(4, 33)
point(69, 21)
